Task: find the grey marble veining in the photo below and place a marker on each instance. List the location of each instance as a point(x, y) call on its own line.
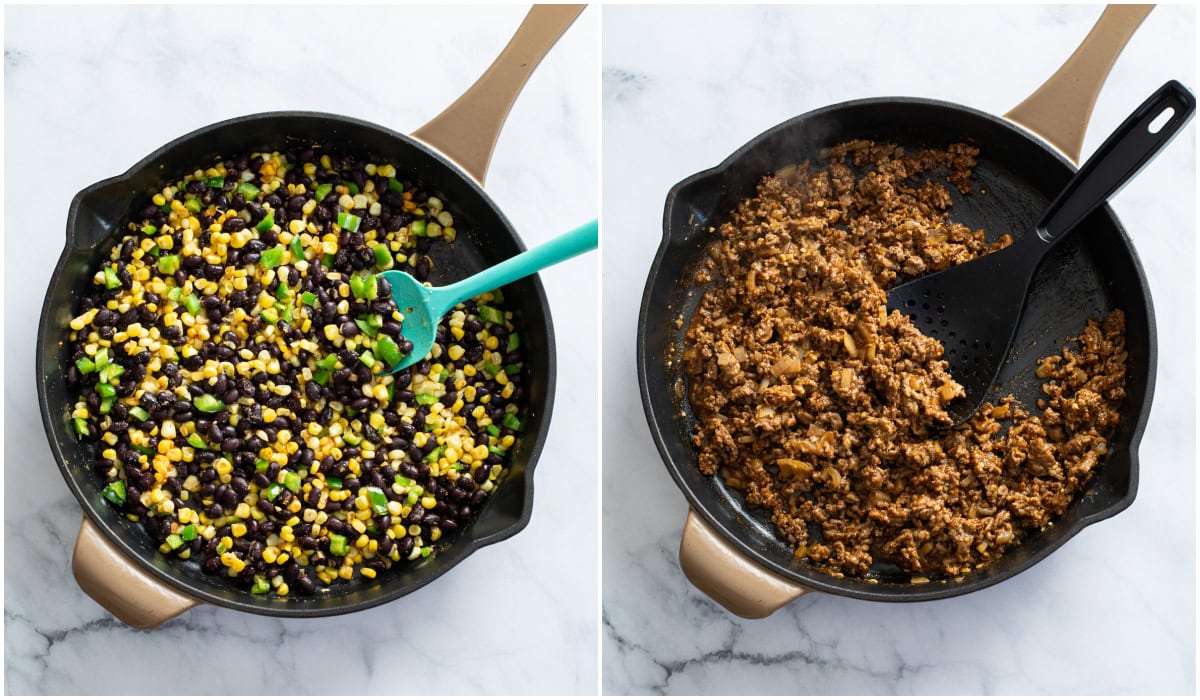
point(90, 91)
point(1113, 611)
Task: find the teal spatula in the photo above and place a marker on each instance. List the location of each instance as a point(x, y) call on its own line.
point(423, 307)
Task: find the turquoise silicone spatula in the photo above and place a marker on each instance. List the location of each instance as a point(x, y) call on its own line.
point(423, 306)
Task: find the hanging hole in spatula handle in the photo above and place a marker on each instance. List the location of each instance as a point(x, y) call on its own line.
point(1135, 142)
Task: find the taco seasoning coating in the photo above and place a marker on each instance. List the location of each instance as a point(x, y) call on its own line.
point(825, 409)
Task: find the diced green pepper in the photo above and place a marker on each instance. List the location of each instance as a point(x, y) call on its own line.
point(323, 192)
point(434, 455)
point(321, 376)
point(81, 428)
point(356, 286)
point(388, 351)
point(174, 541)
point(188, 533)
point(297, 249)
point(267, 222)
point(308, 299)
point(115, 492)
point(496, 450)
point(281, 292)
point(366, 327)
point(327, 362)
point(271, 257)
point(274, 490)
point(493, 430)
point(490, 315)
point(285, 314)
point(192, 303)
point(512, 369)
point(352, 187)
point(337, 545)
point(367, 358)
point(426, 551)
point(378, 500)
point(426, 399)
point(383, 257)
point(492, 370)
point(349, 222)
point(168, 264)
point(261, 586)
point(371, 288)
point(149, 229)
point(192, 204)
point(411, 498)
point(209, 403)
point(139, 413)
point(247, 190)
point(196, 441)
point(391, 391)
point(444, 374)
point(404, 480)
point(85, 365)
point(111, 281)
point(395, 185)
point(269, 316)
point(333, 482)
point(176, 294)
point(155, 251)
point(110, 372)
point(216, 181)
point(417, 227)
point(106, 405)
point(511, 421)
point(261, 465)
point(101, 358)
point(514, 342)
point(106, 390)
point(291, 481)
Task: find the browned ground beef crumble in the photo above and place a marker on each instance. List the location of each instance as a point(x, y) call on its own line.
point(829, 412)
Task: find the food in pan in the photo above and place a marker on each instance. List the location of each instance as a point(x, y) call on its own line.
point(229, 365)
point(828, 411)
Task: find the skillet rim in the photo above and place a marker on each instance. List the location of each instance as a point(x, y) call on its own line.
point(459, 550)
point(892, 592)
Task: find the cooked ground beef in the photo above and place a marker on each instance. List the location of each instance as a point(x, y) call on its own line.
point(829, 412)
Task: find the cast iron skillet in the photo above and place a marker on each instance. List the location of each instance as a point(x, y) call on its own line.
point(731, 552)
point(117, 577)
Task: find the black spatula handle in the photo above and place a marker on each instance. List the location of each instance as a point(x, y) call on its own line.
point(1118, 159)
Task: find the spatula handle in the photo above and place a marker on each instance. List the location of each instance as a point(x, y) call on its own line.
point(575, 242)
point(1119, 158)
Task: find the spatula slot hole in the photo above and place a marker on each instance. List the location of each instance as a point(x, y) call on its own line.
point(1161, 120)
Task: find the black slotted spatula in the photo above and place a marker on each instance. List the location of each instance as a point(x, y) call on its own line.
point(981, 301)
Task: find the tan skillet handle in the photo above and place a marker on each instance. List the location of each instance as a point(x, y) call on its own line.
point(1060, 109)
point(120, 586)
point(467, 130)
point(727, 576)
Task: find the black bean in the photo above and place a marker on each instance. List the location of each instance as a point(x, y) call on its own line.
point(233, 223)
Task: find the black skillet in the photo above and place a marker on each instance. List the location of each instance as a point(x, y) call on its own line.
point(730, 551)
point(115, 562)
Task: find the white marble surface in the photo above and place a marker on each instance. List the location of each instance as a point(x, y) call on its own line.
point(89, 91)
point(1111, 612)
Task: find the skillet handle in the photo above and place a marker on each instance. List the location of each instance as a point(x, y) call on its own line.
point(728, 577)
point(1060, 109)
point(467, 130)
point(119, 586)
